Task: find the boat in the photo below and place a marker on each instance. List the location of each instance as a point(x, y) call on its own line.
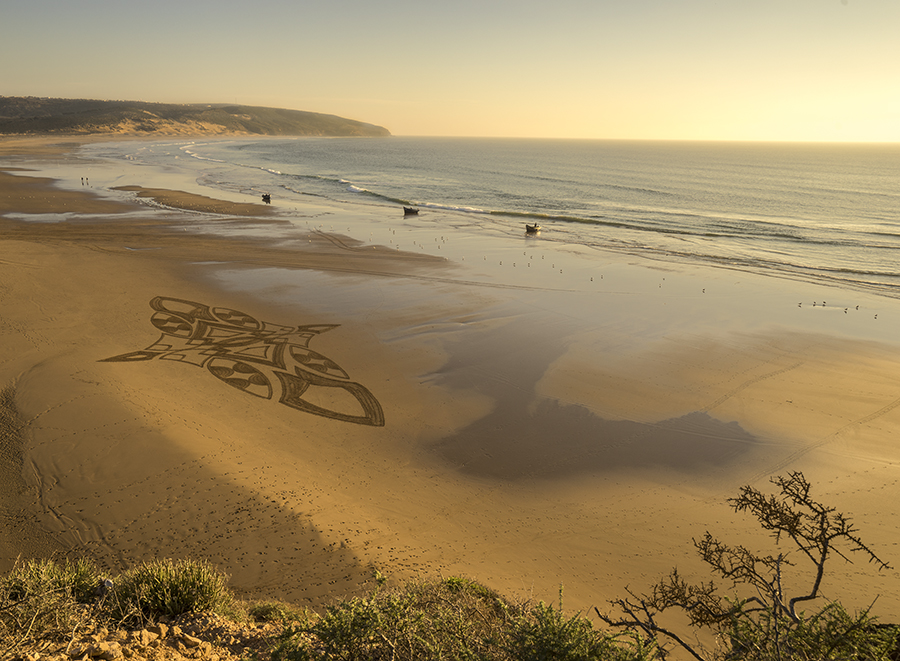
point(532, 229)
point(410, 211)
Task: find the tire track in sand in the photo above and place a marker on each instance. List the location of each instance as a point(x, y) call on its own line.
point(746, 384)
point(791, 458)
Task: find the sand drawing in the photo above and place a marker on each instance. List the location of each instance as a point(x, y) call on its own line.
point(259, 358)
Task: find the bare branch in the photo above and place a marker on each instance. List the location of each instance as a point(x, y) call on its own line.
point(768, 619)
point(648, 626)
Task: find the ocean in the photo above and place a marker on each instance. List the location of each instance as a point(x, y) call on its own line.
point(826, 213)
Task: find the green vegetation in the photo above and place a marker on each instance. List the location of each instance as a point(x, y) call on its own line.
point(759, 620)
point(33, 115)
point(454, 618)
point(169, 588)
point(41, 597)
point(457, 618)
point(276, 611)
point(45, 599)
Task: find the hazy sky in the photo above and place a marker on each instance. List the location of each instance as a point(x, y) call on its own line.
point(672, 69)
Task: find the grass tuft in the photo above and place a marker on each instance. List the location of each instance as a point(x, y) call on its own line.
point(170, 588)
point(276, 611)
point(42, 599)
point(454, 618)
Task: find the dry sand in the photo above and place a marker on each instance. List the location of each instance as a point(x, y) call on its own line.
point(532, 436)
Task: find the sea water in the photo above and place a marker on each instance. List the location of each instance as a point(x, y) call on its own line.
point(827, 213)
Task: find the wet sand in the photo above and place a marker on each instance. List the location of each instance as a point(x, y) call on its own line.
point(410, 411)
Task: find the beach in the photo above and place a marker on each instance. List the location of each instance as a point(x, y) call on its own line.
point(307, 409)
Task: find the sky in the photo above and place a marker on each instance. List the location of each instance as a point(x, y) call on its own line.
point(784, 70)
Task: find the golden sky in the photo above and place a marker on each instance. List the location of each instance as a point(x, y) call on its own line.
point(824, 70)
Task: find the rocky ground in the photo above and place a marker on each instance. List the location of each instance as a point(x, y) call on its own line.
point(194, 636)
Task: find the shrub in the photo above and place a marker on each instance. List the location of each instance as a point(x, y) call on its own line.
point(767, 624)
point(449, 619)
point(831, 633)
point(40, 599)
point(454, 618)
point(77, 579)
point(546, 633)
point(170, 588)
point(275, 611)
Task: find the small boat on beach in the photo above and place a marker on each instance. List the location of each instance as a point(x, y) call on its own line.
point(410, 211)
point(532, 229)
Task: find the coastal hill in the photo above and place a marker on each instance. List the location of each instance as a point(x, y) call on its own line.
point(34, 115)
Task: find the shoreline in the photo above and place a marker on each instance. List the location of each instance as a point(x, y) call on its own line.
point(474, 367)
